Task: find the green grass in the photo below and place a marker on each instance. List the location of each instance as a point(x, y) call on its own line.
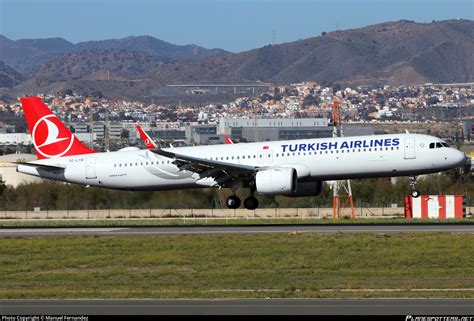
point(201, 221)
point(233, 266)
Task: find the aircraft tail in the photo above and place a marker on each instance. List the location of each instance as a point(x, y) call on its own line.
point(150, 144)
point(51, 138)
point(228, 140)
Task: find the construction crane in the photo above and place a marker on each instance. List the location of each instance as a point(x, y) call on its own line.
point(342, 191)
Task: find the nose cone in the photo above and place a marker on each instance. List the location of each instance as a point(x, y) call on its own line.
point(458, 158)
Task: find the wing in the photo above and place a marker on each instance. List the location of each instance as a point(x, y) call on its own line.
point(211, 172)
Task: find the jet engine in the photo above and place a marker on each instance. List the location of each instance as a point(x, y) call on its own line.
point(307, 189)
point(276, 181)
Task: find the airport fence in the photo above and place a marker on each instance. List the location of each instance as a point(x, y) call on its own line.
point(207, 214)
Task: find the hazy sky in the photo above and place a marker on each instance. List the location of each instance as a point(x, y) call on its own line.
point(234, 25)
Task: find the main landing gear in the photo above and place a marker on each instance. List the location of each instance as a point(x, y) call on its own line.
point(414, 192)
point(234, 202)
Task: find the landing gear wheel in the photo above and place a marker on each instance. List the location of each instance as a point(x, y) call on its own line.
point(251, 203)
point(414, 192)
point(233, 202)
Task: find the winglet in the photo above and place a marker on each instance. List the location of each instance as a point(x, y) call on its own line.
point(150, 144)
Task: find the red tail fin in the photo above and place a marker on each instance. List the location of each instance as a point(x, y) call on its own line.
point(50, 136)
point(150, 144)
point(228, 140)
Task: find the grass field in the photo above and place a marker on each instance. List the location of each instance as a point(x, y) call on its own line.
point(235, 266)
point(201, 221)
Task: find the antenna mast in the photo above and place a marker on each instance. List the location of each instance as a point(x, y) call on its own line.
point(342, 191)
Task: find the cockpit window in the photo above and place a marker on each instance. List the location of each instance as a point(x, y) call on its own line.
point(438, 145)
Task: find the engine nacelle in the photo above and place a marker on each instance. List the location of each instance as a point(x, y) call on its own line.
point(307, 189)
point(276, 181)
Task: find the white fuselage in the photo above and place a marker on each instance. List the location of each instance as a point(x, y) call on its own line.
point(314, 160)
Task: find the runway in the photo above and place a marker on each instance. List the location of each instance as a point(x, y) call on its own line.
point(240, 307)
point(217, 229)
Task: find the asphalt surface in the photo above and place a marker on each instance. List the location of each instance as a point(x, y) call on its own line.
point(103, 231)
point(242, 307)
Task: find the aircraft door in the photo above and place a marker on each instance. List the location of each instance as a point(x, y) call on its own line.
point(410, 148)
point(90, 168)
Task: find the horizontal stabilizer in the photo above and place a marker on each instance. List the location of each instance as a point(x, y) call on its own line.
point(42, 166)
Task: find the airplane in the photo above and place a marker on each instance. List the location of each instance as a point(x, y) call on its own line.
point(293, 168)
point(150, 144)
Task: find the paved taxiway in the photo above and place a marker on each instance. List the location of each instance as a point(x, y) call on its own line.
point(102, 231)
point(250, 306)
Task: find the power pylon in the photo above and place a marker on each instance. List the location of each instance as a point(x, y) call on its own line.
point(342, 191)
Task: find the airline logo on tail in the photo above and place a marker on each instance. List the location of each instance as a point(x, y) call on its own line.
point(48, 140)
point(51, 138)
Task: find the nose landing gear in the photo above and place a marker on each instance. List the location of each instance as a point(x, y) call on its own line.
point(414, 192)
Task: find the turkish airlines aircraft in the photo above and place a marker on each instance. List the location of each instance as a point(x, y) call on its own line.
point(291, 168)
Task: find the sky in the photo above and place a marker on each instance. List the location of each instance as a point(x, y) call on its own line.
point(233, 25)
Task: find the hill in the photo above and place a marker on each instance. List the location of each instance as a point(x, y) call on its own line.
point(26, 55)
point(152, 46)
point(400, 52)
point(393, 53)
point(9, 77)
